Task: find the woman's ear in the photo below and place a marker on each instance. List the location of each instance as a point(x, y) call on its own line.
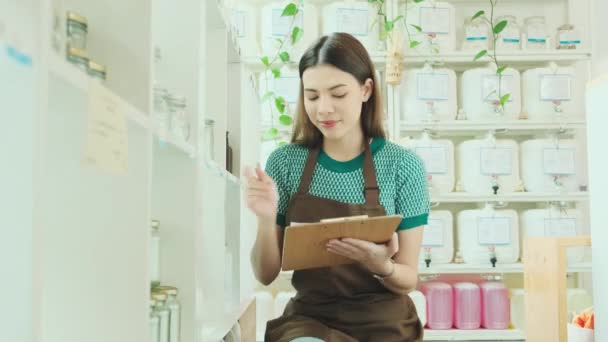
point(368, 88)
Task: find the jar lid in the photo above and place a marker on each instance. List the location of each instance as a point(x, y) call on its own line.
point(538, 19)
point(75, 52)
point(155, 224)
point(73, 16)
point(158, 296)
point(508, 18)
point(168, 290)
point(566, 27)
point(177, 100)
point(94, 66)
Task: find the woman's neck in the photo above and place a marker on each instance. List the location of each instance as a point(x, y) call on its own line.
point(345, 149)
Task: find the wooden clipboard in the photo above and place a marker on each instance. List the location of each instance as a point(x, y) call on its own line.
point(304, 244)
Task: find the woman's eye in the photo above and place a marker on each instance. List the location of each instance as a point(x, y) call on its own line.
point(339, 96)
point(313, 98)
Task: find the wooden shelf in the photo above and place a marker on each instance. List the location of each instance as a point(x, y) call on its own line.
point(465, 127)
point(488, 269)
point(63, 70)
point(522, 197)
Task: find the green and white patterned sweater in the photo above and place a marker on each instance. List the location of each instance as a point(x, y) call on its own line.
point(400, 174)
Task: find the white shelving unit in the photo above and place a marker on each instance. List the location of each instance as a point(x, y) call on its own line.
point(474, 335)
point(520, 197)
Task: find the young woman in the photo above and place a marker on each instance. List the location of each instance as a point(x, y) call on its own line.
point(339, 164)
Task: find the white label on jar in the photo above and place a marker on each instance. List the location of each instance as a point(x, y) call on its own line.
point(281, 25)
point(288, 87)
point(559, 161)
point(433, 87)
point(569, 38)
point(536, 34)
point(435, 158)
point(239, 21)
point(353, 21)
point(433, 233)
point(496, 161)
point(493, 231)
point(493, 85)
point(510, 35)
point(555, 87)
point(560, 227)
point(435, 20)
point(476, 33)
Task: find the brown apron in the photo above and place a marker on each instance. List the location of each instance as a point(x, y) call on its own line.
point(343, 303)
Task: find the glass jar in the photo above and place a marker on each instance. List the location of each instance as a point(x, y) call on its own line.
point(77, 29)
point(97, 71)
point(209, 138)
point(477, 34)
point(79, 58)
point(154, 323)
point(163, 312)
point(180, 127)
point(174, 307)
point(510, 37)
point(161, 108)
point(567, 37)
point(154, 253)
point(536, 33)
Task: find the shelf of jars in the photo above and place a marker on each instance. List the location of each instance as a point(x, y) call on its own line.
point(474, 335)
point(518, 127)
point(78, 78)
point(520, 197)
point(255, 63)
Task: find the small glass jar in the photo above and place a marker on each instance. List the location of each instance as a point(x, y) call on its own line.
point(536, 33)
point(154, 323)
point(97, 71)
point(161, 108)
point(79, 58)
point(77, 29)
point(174, 307)
point(209, 138)
point(163, 312)
point(510, 37)
point(477, 34)
point(180, 127)
point(567, 37)
point(154, 253)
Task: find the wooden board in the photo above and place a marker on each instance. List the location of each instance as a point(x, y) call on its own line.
point(304, 245)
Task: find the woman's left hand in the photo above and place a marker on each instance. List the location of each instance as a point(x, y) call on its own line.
point(371, 255)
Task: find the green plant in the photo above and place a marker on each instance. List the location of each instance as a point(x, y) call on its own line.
point(281, 56)
point(496, 30)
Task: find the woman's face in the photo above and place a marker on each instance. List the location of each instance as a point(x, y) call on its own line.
point(333, 100)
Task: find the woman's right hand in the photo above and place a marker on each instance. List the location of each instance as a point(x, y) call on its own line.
point(262, 195)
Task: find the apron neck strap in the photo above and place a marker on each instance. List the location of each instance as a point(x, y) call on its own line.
point(372, 192)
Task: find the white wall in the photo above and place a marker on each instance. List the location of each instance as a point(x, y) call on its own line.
point(598, 37)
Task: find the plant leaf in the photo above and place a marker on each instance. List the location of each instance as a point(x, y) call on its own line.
point(296, 34)
point(279, 102)
point(283, 143)
point(388, 26)
point(418, 28)
point(394, 21)
point(276, 72)
point(480, 54)
point(272, 133)
point(267, 96)
point(285, 120)
point(499, 27)
point(414, 43)
point(504, 99)
point(418, 1)
point(290, 10)
point(284, 56)
point(265, 61)
point(501, 69)
point(478, 14)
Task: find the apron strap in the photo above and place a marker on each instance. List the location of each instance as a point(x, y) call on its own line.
point(372, 192)
point(309, 169)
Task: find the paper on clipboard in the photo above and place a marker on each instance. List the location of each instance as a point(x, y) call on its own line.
point(304, 243)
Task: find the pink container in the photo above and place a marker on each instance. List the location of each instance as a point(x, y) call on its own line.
point(439, 305)
point(495, 305)
point(467, 306)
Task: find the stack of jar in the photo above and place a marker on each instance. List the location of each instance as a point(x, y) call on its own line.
point(170, 111)
point(165, 315)
point(76, 44)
